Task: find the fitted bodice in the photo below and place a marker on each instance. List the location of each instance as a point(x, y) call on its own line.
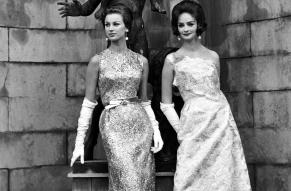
point(196, 77)
point(119, 75)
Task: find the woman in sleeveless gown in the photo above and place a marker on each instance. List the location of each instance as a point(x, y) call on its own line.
point(127, 124)
point(210, 155)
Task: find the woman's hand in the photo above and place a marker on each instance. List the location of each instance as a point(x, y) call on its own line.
point(158, 141)
point(78, 152)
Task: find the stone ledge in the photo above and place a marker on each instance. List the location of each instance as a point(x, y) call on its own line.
point(100, 167)
point(105, 175)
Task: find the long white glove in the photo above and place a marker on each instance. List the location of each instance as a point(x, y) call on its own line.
point(171, 115)
point(83, 125)
point(158, 141)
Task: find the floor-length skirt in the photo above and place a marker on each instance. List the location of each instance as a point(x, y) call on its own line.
point(210, 156)
point(127, 137)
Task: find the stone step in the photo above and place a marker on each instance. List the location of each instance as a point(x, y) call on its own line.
point(100, 166)
point(163, 183)
point(93, 176)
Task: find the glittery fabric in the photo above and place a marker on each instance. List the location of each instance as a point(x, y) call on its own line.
point(125, 129)
point(210, 156)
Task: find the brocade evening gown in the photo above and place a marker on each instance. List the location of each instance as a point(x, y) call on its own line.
point(210, 156)
point(125, 129)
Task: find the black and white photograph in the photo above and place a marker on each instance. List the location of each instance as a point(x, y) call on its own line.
point(145, 95)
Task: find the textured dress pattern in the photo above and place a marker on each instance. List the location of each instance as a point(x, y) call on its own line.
point(125, 129)
point(210, 156)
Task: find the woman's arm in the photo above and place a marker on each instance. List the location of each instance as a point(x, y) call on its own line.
point(167, 106)
point(167, 81)
point(89, 7)
point(144, 79)
point(87, 108)
point(91, 78)
point(216, 61)
point(158, 142)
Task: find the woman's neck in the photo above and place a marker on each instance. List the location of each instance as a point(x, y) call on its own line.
point(191, 46)
point(118, 46)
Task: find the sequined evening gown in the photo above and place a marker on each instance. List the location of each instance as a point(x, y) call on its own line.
point(210, 156)
point(125, 129)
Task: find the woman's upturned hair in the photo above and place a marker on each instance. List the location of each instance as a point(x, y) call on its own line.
point(123, 11)
point(193, 8)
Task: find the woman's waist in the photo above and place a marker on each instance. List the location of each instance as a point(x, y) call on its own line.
point(120, 101)
point(125, 108)
point(208, 95)
point(206, 102)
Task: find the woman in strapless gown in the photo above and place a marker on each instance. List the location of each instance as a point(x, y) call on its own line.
point(127, 124)
point(210, 155)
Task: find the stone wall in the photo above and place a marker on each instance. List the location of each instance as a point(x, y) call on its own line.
point(42, 66)
point(42, 62)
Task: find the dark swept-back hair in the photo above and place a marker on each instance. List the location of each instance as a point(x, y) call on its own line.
point(125, 12)
point(193, 8)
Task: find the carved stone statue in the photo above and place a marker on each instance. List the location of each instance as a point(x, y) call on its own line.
point(137, 36)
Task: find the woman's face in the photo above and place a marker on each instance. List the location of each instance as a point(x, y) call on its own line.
point(115, 28)
point(187, 26)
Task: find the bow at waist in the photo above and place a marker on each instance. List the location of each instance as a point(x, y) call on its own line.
point(117, 102)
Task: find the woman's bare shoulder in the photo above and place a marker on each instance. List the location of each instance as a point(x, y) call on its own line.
point(94, 62)
point(142, 58)
point(210, 54)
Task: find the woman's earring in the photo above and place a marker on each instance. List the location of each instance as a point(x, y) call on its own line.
point(126, 37)
point(178, 37)
point(199, 37)
point(106, 39)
